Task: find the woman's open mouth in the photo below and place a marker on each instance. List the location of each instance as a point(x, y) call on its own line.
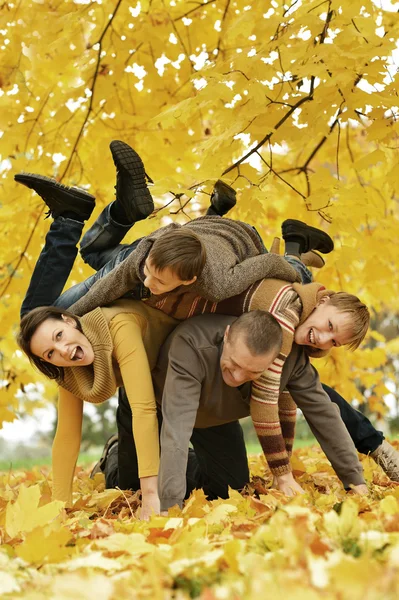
point(311, 336)
point(77, 353)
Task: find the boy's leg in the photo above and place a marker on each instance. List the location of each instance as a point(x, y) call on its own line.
point(77, 291)
point(365, 437)
point(133, 203)
point(69, 207)
point(54, 264)
point(222, 459)
point(223, 198)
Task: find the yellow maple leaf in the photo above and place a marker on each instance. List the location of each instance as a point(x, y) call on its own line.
point(25, 514)
point(41, 545)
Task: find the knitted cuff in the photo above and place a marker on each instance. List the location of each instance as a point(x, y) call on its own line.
point(283, 470)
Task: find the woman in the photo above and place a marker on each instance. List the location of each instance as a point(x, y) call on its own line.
point(90, 357)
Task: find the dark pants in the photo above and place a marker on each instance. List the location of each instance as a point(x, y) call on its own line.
point(100, 248)
point(218, 459)
point(364, 435)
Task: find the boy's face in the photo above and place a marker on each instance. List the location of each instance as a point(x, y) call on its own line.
point(324, 328)
point(160, 282)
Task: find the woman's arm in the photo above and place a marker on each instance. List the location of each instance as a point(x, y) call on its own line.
point(66, 445)
point(132, 359)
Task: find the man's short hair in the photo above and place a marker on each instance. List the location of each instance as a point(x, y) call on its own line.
point(359, 315)
point(262, 332)
point(181, 251)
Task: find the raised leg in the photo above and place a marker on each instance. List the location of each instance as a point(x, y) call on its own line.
point(54, 265)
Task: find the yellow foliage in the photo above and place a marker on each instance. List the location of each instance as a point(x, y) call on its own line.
point(324, 544)
point(303, 93)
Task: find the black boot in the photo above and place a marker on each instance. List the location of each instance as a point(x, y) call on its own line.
point(223, 198)
point(306, 237)
point(59, 198)
point(132, 193)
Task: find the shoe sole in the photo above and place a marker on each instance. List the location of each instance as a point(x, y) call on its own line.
point(44, 186)
point(301, 227)
point(127, 160)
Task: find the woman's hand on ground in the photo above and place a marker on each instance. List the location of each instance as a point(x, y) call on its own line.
point(150, 500)
point(287, 484)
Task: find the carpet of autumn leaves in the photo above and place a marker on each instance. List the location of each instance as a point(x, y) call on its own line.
point(326, 544)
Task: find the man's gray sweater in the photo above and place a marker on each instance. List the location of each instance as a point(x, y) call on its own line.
point(188, 383)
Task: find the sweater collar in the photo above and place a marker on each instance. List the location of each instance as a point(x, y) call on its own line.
point(310, 295)
point(96, 382)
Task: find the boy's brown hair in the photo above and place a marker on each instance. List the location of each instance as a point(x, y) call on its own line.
point(359, 314)
point(181, 251)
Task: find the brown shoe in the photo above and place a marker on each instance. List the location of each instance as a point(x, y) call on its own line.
point(99, 466)
point(312, 259)
point(388, 459)
point(275, 247)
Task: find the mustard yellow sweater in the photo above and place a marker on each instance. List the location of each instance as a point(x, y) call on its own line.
point(126, 338)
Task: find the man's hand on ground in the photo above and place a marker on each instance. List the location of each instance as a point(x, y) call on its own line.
point(287, 484)
point(361, 490)
point(150, 505)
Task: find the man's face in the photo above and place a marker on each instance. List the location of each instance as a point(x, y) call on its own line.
point(160, 282)
point(237, 363)
point(324, 328)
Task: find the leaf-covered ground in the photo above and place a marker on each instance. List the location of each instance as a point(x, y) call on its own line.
point(326, 544)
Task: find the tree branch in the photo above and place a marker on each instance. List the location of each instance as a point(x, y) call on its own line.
point(269, 135)
point(200, 5)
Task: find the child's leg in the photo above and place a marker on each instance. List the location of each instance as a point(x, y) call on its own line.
point(69, 207)
point(54, 265)
point(133, 203)
point(77, 291)
point(365, 437)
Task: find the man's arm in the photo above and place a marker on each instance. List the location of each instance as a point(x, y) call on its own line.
point(325, 421)
point(180, 401)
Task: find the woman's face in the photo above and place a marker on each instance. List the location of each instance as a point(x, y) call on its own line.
point(61, 344)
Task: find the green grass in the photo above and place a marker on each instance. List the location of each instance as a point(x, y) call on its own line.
point(85, 458)
point(254, 447)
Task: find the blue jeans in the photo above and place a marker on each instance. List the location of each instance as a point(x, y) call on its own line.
point(100, 248)
point(304, 273)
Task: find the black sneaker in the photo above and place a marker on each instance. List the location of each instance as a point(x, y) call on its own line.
point(59, 198)
point(223, 198)
point(99, 466)
point(311, 238)
point(131, 182)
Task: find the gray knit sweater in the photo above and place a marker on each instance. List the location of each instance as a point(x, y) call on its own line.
point(234, 261)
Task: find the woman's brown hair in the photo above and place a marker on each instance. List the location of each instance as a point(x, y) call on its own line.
point(29, 323)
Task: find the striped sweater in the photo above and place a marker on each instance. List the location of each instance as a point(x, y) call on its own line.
point(273, 414)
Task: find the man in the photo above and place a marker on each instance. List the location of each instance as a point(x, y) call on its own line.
point(202, 380)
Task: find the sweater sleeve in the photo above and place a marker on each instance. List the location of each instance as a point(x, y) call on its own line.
point(325, 422)
point(130, 354)
point(265, 391)
point(220, 281)
point(66, 445)
point(112, 286)
point(180, 401)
